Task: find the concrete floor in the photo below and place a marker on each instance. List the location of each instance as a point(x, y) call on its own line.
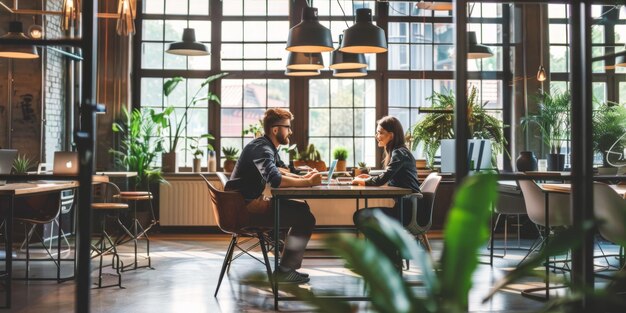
point(186, 270)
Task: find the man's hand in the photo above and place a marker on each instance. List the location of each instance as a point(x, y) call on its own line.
point(315, 179)
point(310, 173)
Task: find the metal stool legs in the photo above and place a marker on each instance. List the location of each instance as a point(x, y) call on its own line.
point(100, 248)
point(136, 231)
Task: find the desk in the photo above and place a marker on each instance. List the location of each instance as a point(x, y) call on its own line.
point(326, 192)
point(10, 192)
point(567, 188)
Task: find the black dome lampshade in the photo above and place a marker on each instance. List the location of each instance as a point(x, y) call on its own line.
point(305, 61)
point(309, 35)
point(620, 59)
point(189, 46)
point(17, 51)
point(301, 73)
point(364, 36)
point(344, 60)
point(476, 50)
point(350, 73)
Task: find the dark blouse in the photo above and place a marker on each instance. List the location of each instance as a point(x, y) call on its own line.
point(400, 172)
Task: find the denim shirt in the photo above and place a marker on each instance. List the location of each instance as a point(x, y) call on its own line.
point(257, 166)
point(400, 172)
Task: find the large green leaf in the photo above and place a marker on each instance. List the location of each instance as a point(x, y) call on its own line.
point(466, 231)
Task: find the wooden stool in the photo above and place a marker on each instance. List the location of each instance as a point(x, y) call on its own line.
point(100, 248)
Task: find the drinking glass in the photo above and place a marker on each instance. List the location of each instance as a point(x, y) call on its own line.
point(542, 165)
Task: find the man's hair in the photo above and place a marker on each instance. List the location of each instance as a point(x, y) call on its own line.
point(273, 116)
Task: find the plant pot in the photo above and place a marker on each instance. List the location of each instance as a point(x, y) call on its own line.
point(318, 165)
point(526, 161)
point(364, 170)
point(229, 166)
point(196, 165)
point(556, 162)
point(341, 165)
point(356, 171)
point(168, 162)
point(607, 170)
point(297, 163)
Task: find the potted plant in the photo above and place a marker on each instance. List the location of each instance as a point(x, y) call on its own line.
point(361, 169)
point(439, 124)
point(609, 124)
point(230, 153)
point(172, 125)
point(139, 148)
point(552, 118)
point(340, 154)
point(197, 149)
point(254, 129)
point(22, 164)
point(310, 157)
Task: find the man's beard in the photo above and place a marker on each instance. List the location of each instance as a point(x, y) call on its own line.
point(283, 140)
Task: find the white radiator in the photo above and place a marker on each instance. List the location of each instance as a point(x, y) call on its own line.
point(185, 202)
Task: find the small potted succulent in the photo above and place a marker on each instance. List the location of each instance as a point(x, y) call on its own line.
point(22, 164)
point(340, 154)
point(361, 169)
point(197, 149)
point(230, 153)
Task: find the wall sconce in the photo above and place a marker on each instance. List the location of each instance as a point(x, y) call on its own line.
point(189, 46)
point(364, 36)
point(305, 61)
point(350, 73)
point(70, 14)
point(17, 51)
point(344, 60)
point(126, 11)
point(476, 50)
point(309, 35)
point(301, 73)
point(35, 31)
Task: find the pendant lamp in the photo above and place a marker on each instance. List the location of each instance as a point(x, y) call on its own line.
point(350, 73)
point(541, 74)
point(344, 60)
point(301, 73)
point(309, 35)
point(17, 51)
point(364, 36)
point(476, 50)
point(189, 46)
point(434, 5)
point(70, 14)
point(620, 61)
point(305, 61)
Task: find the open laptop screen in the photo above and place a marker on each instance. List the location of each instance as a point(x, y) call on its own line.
point(331, 170)
point(7, 156)
point(65, 163)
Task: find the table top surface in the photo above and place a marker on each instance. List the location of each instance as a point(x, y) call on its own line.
point(341, 190)
point(35, 187)
point(567, 188)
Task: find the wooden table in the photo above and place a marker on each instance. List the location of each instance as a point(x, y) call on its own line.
point(326, 192)
point(567, 188)
point(10, 192)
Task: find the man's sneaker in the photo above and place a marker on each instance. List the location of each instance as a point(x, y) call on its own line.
point(305, 275)
point(289, 277)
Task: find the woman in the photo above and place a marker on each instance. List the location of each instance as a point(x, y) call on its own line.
point(399, 164)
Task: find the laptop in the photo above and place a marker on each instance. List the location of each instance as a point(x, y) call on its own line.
point(65, 163)
point(330, 181)
point(7, 156)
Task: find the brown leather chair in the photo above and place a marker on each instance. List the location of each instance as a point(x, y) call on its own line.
point(232, 218)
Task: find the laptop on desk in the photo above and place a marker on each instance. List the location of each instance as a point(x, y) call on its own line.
point(7, 156)
point(329, 180)
point(65, 163)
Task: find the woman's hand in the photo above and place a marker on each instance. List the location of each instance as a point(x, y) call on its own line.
point(363, 176)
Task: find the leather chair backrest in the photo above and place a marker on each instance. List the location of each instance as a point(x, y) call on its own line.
point(223, 179)
point(38, 209)
point(229, 209)
point(610, 209)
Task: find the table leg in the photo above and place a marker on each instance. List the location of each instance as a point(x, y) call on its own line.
point(546, 207)
point(276, 241)
point(9, 250)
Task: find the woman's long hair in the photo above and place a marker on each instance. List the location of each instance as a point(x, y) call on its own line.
point(392, 125)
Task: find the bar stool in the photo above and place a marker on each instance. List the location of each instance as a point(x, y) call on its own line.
point(107, 206)
point(136, 231)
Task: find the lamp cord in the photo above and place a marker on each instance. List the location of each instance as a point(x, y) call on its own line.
point(344, 14)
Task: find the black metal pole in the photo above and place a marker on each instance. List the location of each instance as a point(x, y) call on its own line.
point(85, 141)
point(460, 79)
point(582, 157)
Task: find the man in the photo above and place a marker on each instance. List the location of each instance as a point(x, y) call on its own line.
point(260, 164)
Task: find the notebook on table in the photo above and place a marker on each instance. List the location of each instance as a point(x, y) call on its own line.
point(65, 163)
